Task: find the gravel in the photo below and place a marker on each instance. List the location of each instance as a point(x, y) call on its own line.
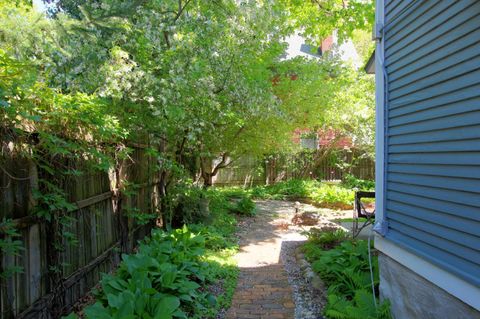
point(309, 301)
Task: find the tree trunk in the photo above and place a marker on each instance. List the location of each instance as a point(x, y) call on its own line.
point(207, 179)
point(208, 171)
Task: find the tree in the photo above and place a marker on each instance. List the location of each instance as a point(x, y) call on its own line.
point(192, 75)
point(327, 94)
point(320, 18)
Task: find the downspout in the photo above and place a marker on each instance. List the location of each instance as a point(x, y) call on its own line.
point(381, 226)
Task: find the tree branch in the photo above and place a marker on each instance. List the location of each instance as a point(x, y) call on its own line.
point(181, 9)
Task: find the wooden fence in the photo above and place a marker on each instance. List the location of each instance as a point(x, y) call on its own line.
point(246, 171)
point(249, 171)
point(54, 278)
point(330, 167)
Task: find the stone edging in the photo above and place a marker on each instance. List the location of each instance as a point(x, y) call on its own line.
point(310, 276)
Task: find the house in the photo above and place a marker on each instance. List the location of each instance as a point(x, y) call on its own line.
point(298, 46)
point(321, 139)
point(427, 67)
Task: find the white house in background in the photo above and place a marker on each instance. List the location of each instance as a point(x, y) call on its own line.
point(298, 46)
point(427, 68)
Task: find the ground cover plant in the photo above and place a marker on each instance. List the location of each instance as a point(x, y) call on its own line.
point(319, 193)
point(88, 86)
point(351, 181)
point(176, 273)
point(343, 265)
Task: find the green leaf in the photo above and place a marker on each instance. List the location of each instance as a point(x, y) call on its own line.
point(97, 311)
point(166, 307)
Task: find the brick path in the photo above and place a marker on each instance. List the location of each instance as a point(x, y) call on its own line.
point(262, 293)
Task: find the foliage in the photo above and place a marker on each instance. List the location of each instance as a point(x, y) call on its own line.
point(309, 135)
point(360, 307)
point(193, 80)
point(293, 188)
point(351, 181)
point(326, 237)
point(328, 95)
point(9, 246)
point(245, 206)
point(345, 270)
point(330, 195)
point(167, 276)
point(333, 196)
point(321, 18)
point(219, 231)
point(189, 205)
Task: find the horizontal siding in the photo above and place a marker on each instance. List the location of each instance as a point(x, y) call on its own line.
point(394, 9)
point(436, 32)
point(454, 42)
point(452, 134)
point(447, 87)
point(442, 73)
point(465, 205)
point(441, 99)
point(402, 32)
point(458, 107)
point(453, 183)
point(451, 158)
point(458, 243)
point(430, 218)
point(450, 146)
point(459, 266)
point(432, 58)
point(398, 29)
point(437, 170)
point(437, 60)
point(462, 210)
point(442, 123)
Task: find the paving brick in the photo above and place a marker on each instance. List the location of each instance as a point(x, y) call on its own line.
point(270, 298)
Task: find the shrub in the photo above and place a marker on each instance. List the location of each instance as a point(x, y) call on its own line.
point(352, 182)
point(322, 194)
point(170, 274)
point(360, 307)
point(345, 270)
point(236, 200)
point(294, 188)
point(326, 237)
point(161, 280)
point(244, 206)
point(191, 206)
point(333, 196)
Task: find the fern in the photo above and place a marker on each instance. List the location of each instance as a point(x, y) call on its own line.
point(345, 270)
point(360, 307)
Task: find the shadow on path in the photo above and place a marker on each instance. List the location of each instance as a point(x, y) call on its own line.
point(264, 290)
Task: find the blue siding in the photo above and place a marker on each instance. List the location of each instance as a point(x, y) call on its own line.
point(432, 58)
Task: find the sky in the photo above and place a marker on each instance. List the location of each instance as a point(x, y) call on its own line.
point(39, 5)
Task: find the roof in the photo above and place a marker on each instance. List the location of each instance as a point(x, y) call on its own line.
point(370, 66)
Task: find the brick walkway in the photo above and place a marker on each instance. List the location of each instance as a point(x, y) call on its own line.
point(262, 293)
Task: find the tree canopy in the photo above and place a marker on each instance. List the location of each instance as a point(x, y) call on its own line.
point(196, 78)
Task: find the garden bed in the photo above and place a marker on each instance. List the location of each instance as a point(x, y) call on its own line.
point(183, 273)
point(349, 272)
